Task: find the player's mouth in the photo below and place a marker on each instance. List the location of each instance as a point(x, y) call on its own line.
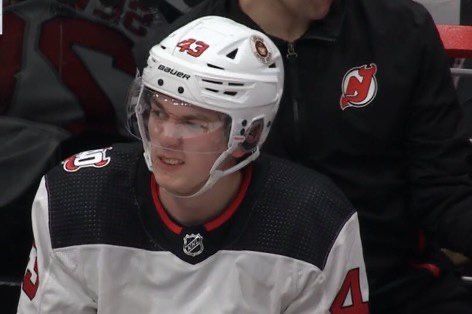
point(169, 163)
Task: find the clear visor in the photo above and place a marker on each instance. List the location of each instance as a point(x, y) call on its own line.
point(171, 124)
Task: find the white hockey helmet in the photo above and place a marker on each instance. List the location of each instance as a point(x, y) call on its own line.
point(220, 65)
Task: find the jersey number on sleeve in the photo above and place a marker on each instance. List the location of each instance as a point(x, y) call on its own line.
point(31, 286)
point(358, 306)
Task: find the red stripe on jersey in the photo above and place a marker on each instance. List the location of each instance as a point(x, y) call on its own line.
point(213, 224)
point(231, 209)
point(160, 209)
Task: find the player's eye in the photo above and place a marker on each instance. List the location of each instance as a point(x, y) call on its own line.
point(158, 113)
point(197, 125)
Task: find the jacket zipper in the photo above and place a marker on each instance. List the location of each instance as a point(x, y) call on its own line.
point(292, 62)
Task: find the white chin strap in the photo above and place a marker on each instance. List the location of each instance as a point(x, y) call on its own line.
point(215, 174)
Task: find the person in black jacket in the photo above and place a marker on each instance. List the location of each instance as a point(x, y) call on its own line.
point(369, 101)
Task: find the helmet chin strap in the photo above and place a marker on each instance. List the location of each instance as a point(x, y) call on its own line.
point(215, 174)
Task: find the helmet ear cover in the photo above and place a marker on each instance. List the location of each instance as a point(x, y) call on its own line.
point(253, 135)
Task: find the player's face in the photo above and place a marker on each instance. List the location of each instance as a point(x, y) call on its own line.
point(311, 9)
point(185, 142)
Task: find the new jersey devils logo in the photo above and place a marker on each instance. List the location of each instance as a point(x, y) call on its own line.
point(359, 86)
point(93, 158)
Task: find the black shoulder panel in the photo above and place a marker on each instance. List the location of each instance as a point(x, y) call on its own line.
point(92, 202)
point(297, 212)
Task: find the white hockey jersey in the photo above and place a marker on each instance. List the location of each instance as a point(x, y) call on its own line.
point(288, 243)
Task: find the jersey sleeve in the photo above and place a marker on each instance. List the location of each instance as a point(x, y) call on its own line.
point(341, 287)
point(437, 148)
point(49, 285)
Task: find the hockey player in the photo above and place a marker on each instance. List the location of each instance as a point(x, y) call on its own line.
point(196, 224)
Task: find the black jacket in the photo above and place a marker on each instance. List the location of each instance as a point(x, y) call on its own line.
point(397, 149)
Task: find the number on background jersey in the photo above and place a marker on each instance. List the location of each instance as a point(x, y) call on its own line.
point(196, 50)
point(98, 109)
point(358, 306)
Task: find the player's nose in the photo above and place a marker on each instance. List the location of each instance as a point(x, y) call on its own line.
point(170, 134)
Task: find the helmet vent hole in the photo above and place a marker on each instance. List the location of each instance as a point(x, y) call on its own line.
point(232, 54)
point(272, 66)
point(212, 90)
point(180, 89)
point(235, 84)
point(230, 93)
point(214, 66)
point(212, 82)
point(163, 47)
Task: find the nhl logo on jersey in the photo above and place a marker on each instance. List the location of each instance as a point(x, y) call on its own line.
point(359, 87)
point(193, 244)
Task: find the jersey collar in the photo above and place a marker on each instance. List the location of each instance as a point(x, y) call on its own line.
point(192, 244)
point(211, 225)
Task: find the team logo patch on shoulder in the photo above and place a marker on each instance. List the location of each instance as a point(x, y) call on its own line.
point(193, 244)
point(359, 86)
point(96, 158)
point(260, 49)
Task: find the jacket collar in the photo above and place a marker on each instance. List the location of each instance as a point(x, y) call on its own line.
point(327, 29)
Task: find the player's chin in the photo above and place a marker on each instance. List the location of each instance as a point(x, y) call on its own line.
point(317, 9)
point(181, 187)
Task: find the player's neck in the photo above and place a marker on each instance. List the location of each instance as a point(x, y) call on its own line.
point(200, 209)
point(275, 18)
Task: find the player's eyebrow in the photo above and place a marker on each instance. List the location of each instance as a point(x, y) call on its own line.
point(197, 117)
point(193, 116)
